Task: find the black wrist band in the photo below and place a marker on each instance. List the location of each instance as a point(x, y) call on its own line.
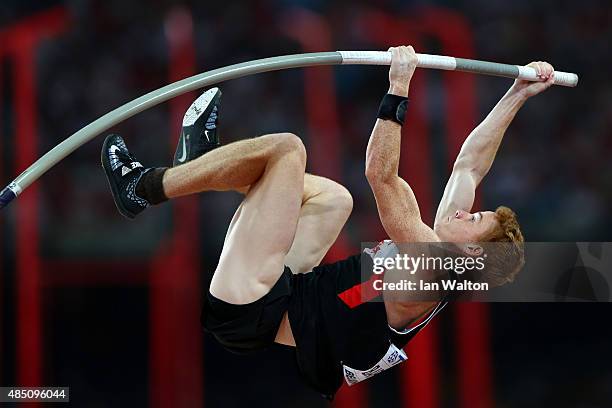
point(393, 107)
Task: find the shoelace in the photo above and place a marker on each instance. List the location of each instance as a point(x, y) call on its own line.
point(128, 156)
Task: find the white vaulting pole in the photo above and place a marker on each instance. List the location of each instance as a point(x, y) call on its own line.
point(206, 79)
point(459, 64)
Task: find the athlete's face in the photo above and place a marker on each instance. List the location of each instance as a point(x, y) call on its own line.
point(466, 227)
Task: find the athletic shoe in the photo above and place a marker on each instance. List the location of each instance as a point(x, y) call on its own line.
point(123, 172)
point(199, 133)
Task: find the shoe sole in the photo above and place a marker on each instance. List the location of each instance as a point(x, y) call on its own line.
point(199, 108)
point(111, 182)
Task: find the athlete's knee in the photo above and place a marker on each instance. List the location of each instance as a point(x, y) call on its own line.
point(335, 194)
point(341, 197)
point(288, 144)
point(293, 145)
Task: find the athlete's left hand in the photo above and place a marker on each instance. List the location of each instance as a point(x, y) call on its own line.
point(403, 63)
point(545, 71)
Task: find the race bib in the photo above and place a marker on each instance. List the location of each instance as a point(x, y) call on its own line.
point(384, 249)
point(393, 357)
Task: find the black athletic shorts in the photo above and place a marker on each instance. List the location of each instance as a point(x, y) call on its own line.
point(338, 322)
point(248, 328)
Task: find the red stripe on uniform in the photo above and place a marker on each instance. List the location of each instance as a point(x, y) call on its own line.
point(361, 293)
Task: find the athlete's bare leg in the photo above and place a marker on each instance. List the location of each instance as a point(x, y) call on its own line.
point(229, 167)
point(262, 230)
point(326, 207)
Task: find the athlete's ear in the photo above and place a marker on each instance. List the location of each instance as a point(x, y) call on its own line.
point(473, 249)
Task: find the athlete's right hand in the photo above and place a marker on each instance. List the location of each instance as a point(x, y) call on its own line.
point(403, 63)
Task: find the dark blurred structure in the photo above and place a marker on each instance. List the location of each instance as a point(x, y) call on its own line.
point(110, 307)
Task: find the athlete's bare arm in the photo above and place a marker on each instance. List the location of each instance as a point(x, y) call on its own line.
point(479, 149)
point(397, 205)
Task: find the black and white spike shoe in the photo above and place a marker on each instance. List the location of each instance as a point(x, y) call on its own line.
point(199, 134)
point(123, 172)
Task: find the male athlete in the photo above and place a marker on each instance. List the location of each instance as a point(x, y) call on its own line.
point(267, 286)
